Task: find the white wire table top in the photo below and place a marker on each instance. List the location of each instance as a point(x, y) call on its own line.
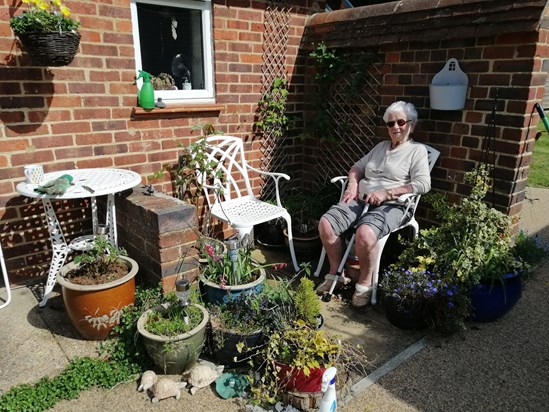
point(86, 183)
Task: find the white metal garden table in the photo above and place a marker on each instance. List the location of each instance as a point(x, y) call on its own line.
point(87, 183)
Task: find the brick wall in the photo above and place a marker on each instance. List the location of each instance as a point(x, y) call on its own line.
point(84, 115)
point(501, 46)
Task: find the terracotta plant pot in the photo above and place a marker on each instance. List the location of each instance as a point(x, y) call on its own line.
point(95, 309)
point(174, 355)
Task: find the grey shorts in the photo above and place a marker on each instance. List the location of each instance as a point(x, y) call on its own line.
point(381, 219)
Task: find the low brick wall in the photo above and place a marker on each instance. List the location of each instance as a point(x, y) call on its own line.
point(159, 232)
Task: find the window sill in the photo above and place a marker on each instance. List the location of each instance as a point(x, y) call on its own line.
point(170, 110)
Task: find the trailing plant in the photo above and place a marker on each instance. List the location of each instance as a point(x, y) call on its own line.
point(330, 68)
point(44, 16)
point(272, 110)
point(80, 374)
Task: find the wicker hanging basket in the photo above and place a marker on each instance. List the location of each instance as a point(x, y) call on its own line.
point(51, 49)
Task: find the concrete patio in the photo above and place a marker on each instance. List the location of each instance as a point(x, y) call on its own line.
point(502, 365)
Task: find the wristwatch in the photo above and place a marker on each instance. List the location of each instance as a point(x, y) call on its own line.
point(390, 193)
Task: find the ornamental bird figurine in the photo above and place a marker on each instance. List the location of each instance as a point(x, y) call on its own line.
point(56, 186)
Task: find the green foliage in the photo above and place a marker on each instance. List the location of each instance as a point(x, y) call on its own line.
point(81, 374)
point(272, 110)
point(306, 301)
point(100, 258)
point(537, 175)
point(330, 67)
point(43, 16)
point(529, 249)
point(171, 319)
point(297, 346)
point(472, 241)
point(306, 207)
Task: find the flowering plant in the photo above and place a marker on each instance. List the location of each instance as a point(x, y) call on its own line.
point(44, 16)
point(236, 267)
point(445, 301)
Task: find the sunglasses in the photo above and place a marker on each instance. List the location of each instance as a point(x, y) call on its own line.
point(400, 122)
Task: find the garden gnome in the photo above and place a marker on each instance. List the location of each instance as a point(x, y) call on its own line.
point(329, 401)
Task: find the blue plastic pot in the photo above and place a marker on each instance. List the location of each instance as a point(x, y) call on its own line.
point(490, 301)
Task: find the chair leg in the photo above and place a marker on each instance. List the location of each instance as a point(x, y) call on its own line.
point(339, 275)
point(320, 262)
point(375, 275)
point(291, 241)
point(6, 280)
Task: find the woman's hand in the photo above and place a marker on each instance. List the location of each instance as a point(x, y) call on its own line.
point(377, 198)
point(351, 192)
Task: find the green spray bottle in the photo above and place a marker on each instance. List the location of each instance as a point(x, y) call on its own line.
point(146, 94)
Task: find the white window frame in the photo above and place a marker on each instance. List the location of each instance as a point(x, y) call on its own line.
point(206, 95)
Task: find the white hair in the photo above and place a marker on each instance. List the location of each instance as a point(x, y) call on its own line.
point(408, 108)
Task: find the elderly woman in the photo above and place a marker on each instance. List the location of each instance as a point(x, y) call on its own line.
point(392, 168)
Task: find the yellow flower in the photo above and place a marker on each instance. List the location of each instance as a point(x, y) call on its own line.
point(65, 11)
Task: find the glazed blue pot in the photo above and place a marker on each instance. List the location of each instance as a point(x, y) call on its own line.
point(490, 301)
point(214, 293)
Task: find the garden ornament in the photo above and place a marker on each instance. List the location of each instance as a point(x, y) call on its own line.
point(329, 400)
point(166, 388)
point(148, 379)
point(201, 376)
point(231, 385)
point(56, 186)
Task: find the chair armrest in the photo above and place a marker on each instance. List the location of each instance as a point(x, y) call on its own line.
point(276, 177)
point(342, 180)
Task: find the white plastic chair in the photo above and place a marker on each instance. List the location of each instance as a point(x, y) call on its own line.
point(229, 193)
point(6, 280)
point(410, 200)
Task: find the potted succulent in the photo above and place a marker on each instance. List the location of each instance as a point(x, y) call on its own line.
point(174, 332)
point(47, 32)
point(96, 286)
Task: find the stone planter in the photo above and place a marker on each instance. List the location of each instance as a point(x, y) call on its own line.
point(95, 309)
point(174, 355)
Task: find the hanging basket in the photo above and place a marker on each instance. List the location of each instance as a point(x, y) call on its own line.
point(51, 49)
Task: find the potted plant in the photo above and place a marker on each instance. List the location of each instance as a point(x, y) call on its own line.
point(306, 208)
point(293, 359)
point(47, 32)
point(415, 297)
point(472, 245)
point(174, 332)
point(96, 286)
point(225, 276)
point(241, 325)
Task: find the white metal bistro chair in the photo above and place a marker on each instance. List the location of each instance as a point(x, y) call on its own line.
point(6, 280)
point(410, 200)
point(229, 192)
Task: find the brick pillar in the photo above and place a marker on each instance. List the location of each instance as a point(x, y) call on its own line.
point(159, 232)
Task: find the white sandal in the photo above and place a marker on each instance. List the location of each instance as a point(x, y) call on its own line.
point(328, 280)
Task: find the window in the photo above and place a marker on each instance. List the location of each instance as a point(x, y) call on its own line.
point(172, 40)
